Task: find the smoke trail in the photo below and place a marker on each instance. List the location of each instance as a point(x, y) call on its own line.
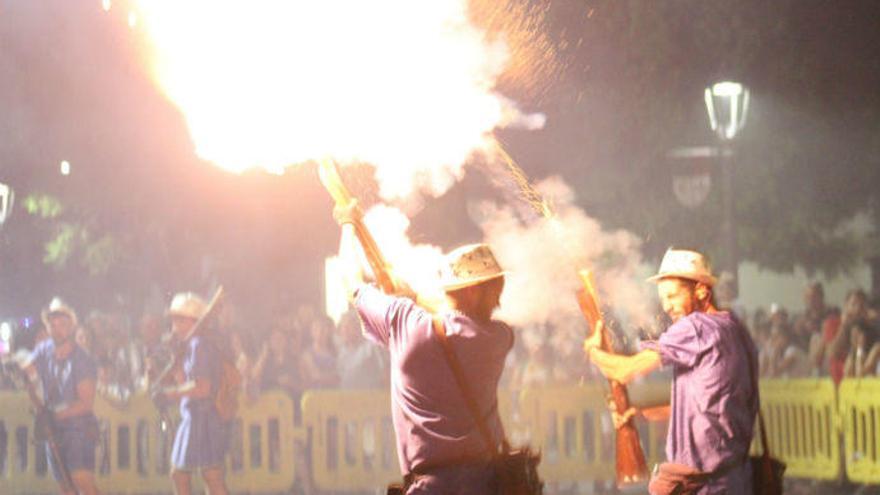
point(544, 255)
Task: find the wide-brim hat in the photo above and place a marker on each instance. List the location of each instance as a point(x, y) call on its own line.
point(188, 305)
point(686, 264)
point(469, 265)
point(57, 307)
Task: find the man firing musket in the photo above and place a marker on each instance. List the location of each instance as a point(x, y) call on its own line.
point(445, 367)
point(714, 396)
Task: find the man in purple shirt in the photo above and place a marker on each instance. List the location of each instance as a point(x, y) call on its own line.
point(439, 445)
point(714, 394)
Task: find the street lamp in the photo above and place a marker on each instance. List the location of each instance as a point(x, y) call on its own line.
point(727, 104)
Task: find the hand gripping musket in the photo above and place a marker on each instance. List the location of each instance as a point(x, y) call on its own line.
point(165, 376)
point(329, 175)
point(631, 466)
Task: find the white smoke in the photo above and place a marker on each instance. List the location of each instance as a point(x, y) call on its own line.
point(544, 255)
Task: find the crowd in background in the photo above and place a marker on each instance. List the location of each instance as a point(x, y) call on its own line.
point(304, 349)
point(824, 340)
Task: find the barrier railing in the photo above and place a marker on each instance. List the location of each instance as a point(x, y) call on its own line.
point(22, 463)
point(802, 426)
point(352, 439)
point(574, 432)
point(859, 408)
point(134, 446)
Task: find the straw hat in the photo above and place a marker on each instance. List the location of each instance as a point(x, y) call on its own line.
point(188, 305)
point(58, 307)
point(469, 265)
point(690, 265)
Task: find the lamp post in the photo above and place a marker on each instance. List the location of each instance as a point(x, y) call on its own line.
point(727, 104)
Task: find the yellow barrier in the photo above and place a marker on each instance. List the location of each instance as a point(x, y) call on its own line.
point(802, 426)
point(573, 430)
point(353, 448)
point(23, 464)
point(133, 448)
point(859, 408)
point(352, 438)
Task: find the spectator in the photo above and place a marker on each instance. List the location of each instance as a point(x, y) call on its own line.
point(785, 359)
point(360, 363)
point(864, 353)
point(318, 365)
point(857, 332)
point(811, 323)
point(274, 369)
point(147, 356)
point(241, 359)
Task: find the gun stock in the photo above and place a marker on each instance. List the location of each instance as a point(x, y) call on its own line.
point(329, 175)
point(630, 459)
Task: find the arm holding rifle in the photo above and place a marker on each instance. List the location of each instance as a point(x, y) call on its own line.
point(616, 367)
point(623, 369)
point(349, 216)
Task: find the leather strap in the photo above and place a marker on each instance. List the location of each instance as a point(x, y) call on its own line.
point(461, 381)
point(752, 367)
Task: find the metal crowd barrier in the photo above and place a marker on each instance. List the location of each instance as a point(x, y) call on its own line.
point(814, 428)
point(801, 417)
point(574, 432)
point(22, 464)
point(859, 408)
point(134, 446)
point(352, 437)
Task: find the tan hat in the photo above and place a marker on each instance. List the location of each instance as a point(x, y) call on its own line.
point(187, 304)
point(58, 307)
point(469, 265)
point(681, 263)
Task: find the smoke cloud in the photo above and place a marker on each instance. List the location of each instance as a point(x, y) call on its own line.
point(544, 255)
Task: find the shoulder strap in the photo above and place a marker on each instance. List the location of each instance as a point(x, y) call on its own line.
point(752, 367)
point(455, 366)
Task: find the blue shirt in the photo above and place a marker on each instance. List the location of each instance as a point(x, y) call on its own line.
point(202, 361)
point(60, 378)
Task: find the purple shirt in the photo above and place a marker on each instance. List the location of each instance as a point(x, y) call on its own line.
point(433, 423)
point(714, 401)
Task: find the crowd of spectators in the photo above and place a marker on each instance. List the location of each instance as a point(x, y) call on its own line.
point(822, 341)
point(304, 349)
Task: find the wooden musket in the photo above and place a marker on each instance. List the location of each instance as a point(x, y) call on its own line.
point(631, 466)
point(179, 351)
point(329, 175)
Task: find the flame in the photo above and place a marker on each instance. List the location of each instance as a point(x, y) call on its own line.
point(406, 86)
point(416, 264)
